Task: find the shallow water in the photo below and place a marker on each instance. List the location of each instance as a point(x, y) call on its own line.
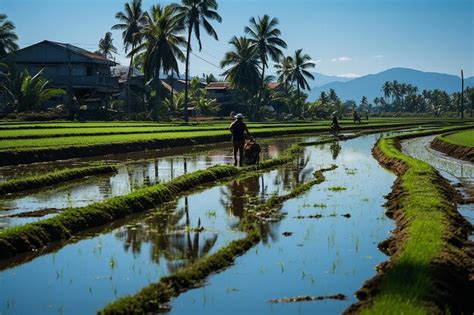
point(135, 170)
point(454, 170)
point(99, 268)
point(323, 256)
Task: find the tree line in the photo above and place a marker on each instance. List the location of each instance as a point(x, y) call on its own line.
point(161, 38)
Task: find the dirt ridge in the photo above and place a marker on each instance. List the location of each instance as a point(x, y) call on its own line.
point(454, 150)
point(452, 272)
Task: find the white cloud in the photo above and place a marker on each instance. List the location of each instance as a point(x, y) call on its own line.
point(317, 61)
point(378, 56)
point(342, 59)
point(348, 75)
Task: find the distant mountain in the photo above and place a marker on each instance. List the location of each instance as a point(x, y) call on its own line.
point(370, 85)
point(322, 79)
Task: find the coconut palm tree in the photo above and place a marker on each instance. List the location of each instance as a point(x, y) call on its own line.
point(265, 37)
point(242, 62)
point(131, 24)
point(106, 46)
point(161, 45)
point(300, 74)
point(194, 14)
point(284, 71)
point(7, 36)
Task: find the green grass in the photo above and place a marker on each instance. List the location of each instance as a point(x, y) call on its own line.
point(166, 134)
point(52, 178)
point(463, 138)
point(407, 286)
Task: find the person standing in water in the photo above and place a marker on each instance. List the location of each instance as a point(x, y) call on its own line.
point(238, 129)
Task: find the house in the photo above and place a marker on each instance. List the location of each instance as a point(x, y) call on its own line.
point(64, 65)
point(225, 95)
point(230, 99)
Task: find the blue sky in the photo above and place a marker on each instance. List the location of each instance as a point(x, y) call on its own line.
point(344, 37)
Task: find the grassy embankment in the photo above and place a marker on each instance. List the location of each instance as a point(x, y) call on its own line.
point(52, 178)
point(54, 147)
point(35, 235)
point(463, 138)
point(155, 297)
point(429, 267)
point(459, 145)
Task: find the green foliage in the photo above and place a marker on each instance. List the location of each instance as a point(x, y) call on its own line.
point(28, 92)
point(106, 46)
point(8, 36)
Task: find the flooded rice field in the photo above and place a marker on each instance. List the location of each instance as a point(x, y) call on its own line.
point(326, 243)
point(459, 173)
point(135, 170)
point(100, 267)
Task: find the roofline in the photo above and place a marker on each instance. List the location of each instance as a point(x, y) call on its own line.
point(104, 61)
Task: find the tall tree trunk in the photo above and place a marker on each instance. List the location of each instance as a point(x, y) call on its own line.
point(172, 90)
point(157, 95)
point(129, 77)
point(186, 76)
point(462, 95)
point(262, 87)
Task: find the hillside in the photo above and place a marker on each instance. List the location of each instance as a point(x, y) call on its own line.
point(370, 85)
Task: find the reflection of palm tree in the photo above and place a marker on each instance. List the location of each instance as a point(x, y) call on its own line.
point(162, 232)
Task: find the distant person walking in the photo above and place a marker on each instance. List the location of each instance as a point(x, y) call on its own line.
point(238, 129)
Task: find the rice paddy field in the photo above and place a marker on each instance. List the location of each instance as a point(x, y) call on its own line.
point(142, 217)
point(464, 138)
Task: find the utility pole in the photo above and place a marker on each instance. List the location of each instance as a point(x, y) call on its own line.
point(462, 95)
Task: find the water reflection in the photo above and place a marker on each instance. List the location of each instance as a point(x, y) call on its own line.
point(131, 175)
point(151, 245)
point(335, 149)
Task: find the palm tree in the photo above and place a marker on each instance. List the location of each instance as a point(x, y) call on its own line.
point(242, 64)
point(7, 36)
point(243, 61)
point(106, 46)
point(302, 62)
point(29, 92)
point(265, 36)
point(162, 45)
point(387, 89)
point(193, 14)
point(131, 23)
point(285, 71)
point(209, 78)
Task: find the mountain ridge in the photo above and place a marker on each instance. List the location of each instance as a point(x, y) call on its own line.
point(370, 85)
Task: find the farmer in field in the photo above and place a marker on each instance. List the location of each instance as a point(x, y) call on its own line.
point(238, 129)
